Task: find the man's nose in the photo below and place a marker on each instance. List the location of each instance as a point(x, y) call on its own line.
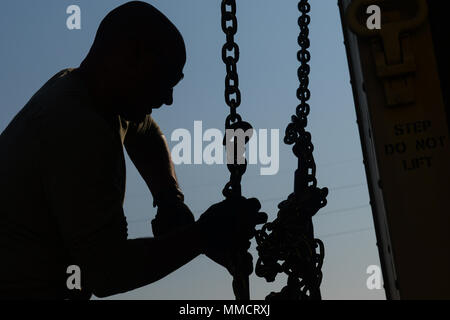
point(168, 100)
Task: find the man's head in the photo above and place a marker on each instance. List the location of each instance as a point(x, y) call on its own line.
point(136, 59)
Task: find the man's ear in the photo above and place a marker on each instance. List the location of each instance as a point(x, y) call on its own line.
point(147, 58)
point(122, 57)
point(133, 55)
point(135, 51)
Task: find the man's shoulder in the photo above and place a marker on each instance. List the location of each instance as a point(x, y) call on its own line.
point(63, 93)
point(63, 105)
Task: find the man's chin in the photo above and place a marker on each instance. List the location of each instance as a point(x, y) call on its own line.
point(137, 118)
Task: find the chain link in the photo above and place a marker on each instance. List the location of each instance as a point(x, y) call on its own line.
point(291, 238)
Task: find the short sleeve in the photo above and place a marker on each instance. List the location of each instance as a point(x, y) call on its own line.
point(148, 127)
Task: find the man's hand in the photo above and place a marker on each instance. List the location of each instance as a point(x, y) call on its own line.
point(227, 228)
point(171, 216)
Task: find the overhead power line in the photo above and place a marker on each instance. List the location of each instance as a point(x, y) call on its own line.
point(349, 209)
point(330, 235)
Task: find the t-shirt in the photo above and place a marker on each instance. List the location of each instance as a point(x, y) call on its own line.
point(62, 186)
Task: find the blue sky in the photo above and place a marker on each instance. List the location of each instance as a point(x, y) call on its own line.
point(35, 44)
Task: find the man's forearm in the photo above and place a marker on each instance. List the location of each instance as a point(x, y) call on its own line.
point(139, 262)
point(151, 156)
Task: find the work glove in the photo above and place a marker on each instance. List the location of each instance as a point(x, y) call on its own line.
point(226, 229)
point(170, 216)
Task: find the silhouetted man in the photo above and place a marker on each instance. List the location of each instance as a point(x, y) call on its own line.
point(62, 172)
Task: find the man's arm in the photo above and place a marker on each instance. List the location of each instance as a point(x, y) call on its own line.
point(120, 266)
point(80, 161)
point(149, 152)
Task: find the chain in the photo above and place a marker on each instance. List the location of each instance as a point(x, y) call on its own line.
point(235, 147)
point(230, 56)
point(291, 238)
point(237, 164)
